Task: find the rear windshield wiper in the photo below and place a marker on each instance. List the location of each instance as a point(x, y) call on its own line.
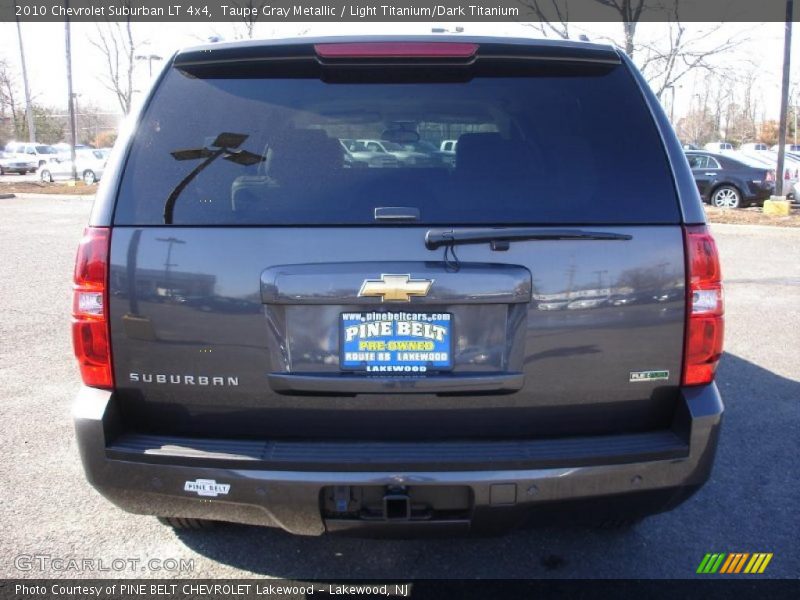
point(436, 238)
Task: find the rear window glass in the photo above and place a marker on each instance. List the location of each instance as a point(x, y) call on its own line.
point(576, 149)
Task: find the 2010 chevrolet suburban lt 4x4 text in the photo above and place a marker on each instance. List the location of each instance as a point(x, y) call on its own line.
point(269, 333)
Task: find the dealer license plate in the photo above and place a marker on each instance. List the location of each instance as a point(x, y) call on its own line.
point(396, 342)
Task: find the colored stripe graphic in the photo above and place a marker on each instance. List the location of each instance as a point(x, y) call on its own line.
point(703, 563)
point(734, 562)
point(711, 563)
point(758, 563)
point(757, 558)
point(766, 562)
point(729, 563)
point(740, 564)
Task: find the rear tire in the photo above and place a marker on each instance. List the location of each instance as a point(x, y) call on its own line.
point(726, 196)
point(46, 176)
point(186, 523)
point(89, 177)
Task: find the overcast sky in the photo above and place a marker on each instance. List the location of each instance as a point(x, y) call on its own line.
point(44, 48)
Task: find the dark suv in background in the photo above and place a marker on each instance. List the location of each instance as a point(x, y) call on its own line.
point(726, 182)
point(267, 335)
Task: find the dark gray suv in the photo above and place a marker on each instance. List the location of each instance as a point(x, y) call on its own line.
point(270, 334)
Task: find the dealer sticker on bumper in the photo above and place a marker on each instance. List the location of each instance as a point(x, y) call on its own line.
point(396, 342)
point(207, 487)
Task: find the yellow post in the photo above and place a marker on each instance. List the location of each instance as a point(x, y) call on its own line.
point(777, 206)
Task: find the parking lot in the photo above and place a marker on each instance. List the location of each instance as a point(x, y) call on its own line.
point(750, 504)
point(17, 178)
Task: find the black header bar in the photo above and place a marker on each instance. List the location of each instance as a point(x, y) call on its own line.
point(465, 11)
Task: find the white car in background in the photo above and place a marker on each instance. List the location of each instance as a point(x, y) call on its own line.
point(719, 147)
point(63, 151)
point(769, 158)
point(753, 147)
point(38, 154)
point(10, 163)
point(403, 156)
point(90, 164)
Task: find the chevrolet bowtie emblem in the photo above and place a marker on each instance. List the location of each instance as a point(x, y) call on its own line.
point(395, 288)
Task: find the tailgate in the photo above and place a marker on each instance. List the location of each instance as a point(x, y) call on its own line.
point(544, 339)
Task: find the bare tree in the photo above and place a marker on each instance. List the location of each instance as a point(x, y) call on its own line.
point(8, 102)
point(252, 10)
point(115, 40)
point(663, 60)
point(553, 17)
point(630, 12)
point(664, 64)
point(545, 10)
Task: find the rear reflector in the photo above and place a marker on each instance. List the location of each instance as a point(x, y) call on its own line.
point(397, 50)
point(90, 338)
point(705, 307)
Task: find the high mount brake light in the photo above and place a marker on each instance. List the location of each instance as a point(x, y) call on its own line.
point(90, 336)
point(396, 50)
point(704, 307)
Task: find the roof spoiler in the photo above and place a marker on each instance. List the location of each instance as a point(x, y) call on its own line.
point(314, 57)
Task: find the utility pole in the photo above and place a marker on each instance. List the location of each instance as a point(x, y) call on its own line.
point(77, 113)
point(73, 133)
point(787, 56)
point(168, 264)
point(28, 106)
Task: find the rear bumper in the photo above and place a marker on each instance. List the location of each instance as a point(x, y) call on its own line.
point(759, 193)
point(628, 476)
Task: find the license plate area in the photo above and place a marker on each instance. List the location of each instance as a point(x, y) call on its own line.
point(396, 342)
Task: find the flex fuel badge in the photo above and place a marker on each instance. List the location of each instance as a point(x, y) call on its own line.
point(649, 376)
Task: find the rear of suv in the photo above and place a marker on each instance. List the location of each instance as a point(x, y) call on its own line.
point(268, 336)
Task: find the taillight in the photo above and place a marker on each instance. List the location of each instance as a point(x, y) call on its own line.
point(396, 50)
point(90, 338)
point(705, 307)
point(770, 176)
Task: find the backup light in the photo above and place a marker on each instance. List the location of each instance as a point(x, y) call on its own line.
point(90, 336)
point(705, 307)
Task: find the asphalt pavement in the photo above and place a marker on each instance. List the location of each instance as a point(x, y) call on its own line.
point(17, 178)
point(49, 511)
